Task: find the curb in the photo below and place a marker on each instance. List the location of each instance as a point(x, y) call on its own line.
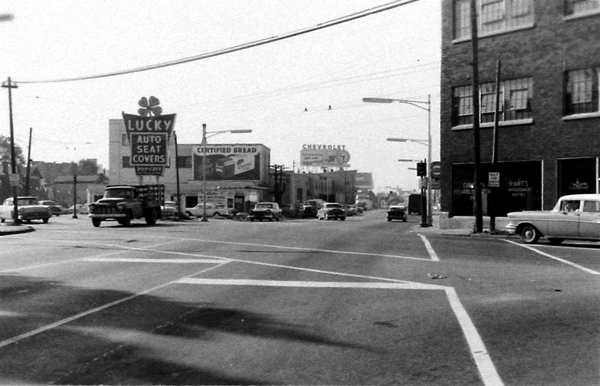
point(15, 229)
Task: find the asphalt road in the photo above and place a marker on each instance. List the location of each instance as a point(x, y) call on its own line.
point(355, 302)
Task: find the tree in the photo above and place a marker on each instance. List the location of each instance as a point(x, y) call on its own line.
point(5, 153)
point(87, 167)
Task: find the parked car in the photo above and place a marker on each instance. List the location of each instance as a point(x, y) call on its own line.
point(81, 209)
point(288, 210)
point(397, 212)
point(311, 207)
point(265, 211)
point(212, 210)
point(28, 208)
point(351, 210)
point(168, 210)
point(574, 216)
point(54, 208)
point(331, 210)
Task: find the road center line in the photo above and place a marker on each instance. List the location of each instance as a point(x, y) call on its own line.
point(555, 258)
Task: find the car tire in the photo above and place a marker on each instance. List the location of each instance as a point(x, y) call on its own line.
point(96, 222)
point(529, 234)
point(45, 221)
point(189, 214)
point(389, 219)
point(342, 218)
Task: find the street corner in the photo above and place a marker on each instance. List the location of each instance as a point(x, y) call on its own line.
point(12, 229)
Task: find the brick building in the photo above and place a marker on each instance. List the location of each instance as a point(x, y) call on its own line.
point(549, 115)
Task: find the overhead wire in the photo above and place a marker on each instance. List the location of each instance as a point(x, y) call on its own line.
point(244, 46)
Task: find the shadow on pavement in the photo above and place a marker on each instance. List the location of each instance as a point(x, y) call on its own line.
point(108, 346)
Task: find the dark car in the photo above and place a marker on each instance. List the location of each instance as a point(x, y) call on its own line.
point(311, 207)
point(397, 212)
point(53, 207)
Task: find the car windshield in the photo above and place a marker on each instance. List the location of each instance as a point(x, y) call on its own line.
point(27, 201)
point(334, 206)
point(396, 208)
point(264, 205)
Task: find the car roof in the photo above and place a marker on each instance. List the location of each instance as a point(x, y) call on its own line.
point(586, 196)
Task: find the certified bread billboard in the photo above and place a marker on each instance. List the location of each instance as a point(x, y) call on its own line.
point(229, 162)
point(324, 156)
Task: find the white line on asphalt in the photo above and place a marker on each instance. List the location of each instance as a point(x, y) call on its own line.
point(478, 351)
point(430, 250)
point(484, 363)
point(305, 284)
point(555, 258)
point(485, 366)
point(61, 322)
point(308, 249)
point(157, 261)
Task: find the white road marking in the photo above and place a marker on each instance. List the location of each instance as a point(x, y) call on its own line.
point(157, 261)
point(61, 322)
point(480, 354)
point(306, 284)
point(555, 258)
point(485, 366)
point(487, 370)
point(430, 250)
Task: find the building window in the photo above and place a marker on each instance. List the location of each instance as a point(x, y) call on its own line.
point(126, 161)
point(581, 7)
point(515, 102)
point(494, 16)
point(124, 139)
point(184, 162)
point(582, 91)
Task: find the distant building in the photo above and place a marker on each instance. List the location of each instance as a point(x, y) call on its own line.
point(549, 115)
point(237, 175)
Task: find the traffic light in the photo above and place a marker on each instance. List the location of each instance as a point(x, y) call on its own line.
point(421, 169)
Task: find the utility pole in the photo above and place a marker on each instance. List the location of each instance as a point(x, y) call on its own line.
point(476, 141)
point(177, 175)
point(495, 190)
point(9, 85)
point(28, 173)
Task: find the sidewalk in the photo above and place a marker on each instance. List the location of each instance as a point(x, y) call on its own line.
point(463, 226)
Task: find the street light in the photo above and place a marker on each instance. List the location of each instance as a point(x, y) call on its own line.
point(423, 105)
point(204, 136)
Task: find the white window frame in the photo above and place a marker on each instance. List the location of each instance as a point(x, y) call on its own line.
point(494, 17)
point(579, 8)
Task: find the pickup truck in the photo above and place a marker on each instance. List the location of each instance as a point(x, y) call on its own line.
point(124, 203)
point(265, 211)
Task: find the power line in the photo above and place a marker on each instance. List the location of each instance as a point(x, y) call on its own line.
point(256, 43)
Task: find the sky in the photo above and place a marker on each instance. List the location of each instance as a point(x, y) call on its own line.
point(307, 89)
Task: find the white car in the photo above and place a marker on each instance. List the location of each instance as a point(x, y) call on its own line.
point(212, 210)
point(575, 217)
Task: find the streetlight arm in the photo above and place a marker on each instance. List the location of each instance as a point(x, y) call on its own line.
point(421, 141)
point(417, 104)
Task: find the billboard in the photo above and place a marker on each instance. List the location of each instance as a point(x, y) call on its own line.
point(364, 181)
point(227, 162)
point(324, 156)
point(149, 138)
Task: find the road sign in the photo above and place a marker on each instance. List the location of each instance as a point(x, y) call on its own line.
point(493, 180)
point(436, 169)
point(14, 179)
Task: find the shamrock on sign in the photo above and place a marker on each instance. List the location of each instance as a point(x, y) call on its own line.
point(149, 107)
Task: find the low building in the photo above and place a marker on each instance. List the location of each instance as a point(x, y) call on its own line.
point(235, 175)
